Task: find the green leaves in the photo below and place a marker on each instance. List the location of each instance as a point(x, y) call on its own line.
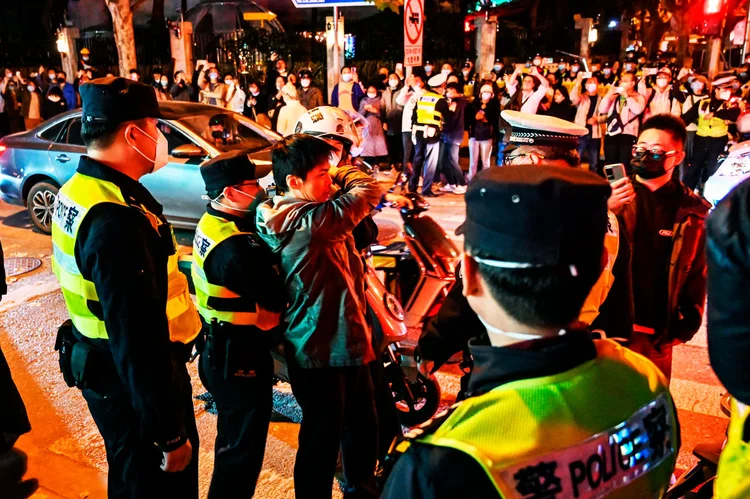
point(394, 5)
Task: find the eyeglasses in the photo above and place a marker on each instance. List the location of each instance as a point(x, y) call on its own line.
point(654, 154)
point(511, 159)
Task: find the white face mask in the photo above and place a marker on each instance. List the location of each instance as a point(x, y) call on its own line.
point(662, 82)
point(446, 72)
point(428, 68)
point(161, 156)
point(164, 83)
point(54, 98)
point(213, 77)
point(497, 67)
point(537, 62)
point(697, 87)
point(304, 82)
point(561, 67)
point(591, 87)
point(371, 95)
point(30, 88)
point(346, 78)
point(607, 72)
point(255, 93)
point(575, 68)
point(725, 94)
point(486, 96)
point(229, 82)
point(393, 83)
point(466, 72)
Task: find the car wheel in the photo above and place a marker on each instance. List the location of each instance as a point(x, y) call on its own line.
point(40, 203)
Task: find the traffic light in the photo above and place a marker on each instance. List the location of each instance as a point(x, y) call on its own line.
point(710, 23)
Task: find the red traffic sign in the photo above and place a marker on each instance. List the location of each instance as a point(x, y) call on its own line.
point(414, 21)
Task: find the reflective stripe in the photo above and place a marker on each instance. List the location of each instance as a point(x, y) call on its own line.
point(209, 234)
point(427, 114)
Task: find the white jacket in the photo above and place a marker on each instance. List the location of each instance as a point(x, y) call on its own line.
point(409, 105)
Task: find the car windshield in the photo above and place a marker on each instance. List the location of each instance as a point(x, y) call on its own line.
point(224, 130)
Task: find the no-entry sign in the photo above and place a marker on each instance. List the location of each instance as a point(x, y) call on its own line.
point(413, 31)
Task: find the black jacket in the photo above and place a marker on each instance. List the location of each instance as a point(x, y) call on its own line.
point(687, 265)
point(120, 252)
point(728, 252)
point(431, 472)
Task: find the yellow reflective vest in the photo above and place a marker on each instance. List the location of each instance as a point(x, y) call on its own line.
point(606, 427)
point(599, 292)
point(733, 477)
point(211, 232)
point(427, 114)
point(715, 127)
point(74, 201)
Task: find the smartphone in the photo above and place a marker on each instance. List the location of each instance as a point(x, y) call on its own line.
point(615, 172)
point(399, 66)
point(354, 69)
point(587, 75)
point(549, 60)
point(651, 71)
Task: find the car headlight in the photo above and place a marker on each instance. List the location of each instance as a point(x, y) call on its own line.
point(393, 306)
point(736, 166)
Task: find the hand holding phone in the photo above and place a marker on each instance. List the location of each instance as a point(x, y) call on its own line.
point(587, 74)
point(614, 172)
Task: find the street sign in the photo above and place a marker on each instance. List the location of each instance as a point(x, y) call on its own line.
point(308, 4)
point(413, 31)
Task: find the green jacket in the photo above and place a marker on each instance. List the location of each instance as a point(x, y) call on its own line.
point(323, 271)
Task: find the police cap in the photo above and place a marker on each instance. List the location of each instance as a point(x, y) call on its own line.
point(535, 129)
point(231, 168)
point(114, 100)
point(535, 216)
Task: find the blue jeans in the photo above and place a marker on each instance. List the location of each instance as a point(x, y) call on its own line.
point(592, 146)
point(449, 163)
point(425, 161)
point(501, 152)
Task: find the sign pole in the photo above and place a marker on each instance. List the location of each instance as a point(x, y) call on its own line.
point(336, 68)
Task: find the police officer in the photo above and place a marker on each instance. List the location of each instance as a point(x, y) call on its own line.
point(133, 322)
point(547, 414)
point(428, 118)
point(240, 297)
point(728, 255)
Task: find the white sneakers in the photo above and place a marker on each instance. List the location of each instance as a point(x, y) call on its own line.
point(447, 188)
point(453, 189)
point(460, 189)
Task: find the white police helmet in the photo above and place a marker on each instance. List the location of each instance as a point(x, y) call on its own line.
point(328, 122)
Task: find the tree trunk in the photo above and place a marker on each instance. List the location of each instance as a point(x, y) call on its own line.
point(157, 14)
point(681, 27)
point(534, 15)
point(122, 24)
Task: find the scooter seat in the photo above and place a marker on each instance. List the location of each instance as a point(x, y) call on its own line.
point(709, 451)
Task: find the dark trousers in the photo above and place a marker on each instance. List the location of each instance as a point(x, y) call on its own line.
point(706, 151)
point(244, 404)
point(619, 149)
point(408, 151)
point(4, 125)
point(661, 356)
point(590, 147)
point(133, 460)
point(448, 163)
point(338, 412)
point(395, 149)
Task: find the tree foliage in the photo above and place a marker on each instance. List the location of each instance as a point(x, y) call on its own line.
point(393, 5)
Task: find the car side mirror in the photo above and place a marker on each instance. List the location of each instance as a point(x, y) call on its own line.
point(188, 151)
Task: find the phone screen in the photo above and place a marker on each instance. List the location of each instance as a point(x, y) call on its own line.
point(614, 172)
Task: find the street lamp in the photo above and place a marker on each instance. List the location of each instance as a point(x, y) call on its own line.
point(612, 24)
point(593, 35)
point(62, 44)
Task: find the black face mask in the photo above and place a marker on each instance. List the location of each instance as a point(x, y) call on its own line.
point(217, 134)
point(61, 80)
point(648, 168)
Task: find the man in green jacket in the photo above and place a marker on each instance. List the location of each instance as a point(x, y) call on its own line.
point(329, 345)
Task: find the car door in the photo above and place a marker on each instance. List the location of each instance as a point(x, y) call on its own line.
point(67, 149)
point(178, 186)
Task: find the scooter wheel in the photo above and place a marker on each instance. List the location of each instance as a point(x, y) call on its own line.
point(415, 410)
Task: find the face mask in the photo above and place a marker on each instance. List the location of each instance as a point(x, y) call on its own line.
point(627, 86)
point(428, 69)
point(282, 71)
point(30, 88)
point(575, 68)
point(164, 83)
point(446, 72)
point(647, 168)
point(561, 67)
point(486, 96)
point(537, 62)
point(229, 82)
point(61, 80)
point(696, 87)
point(54, 98)
point(662, 82)
point(213, 77)
point(591, 87)
point(607, 72)
point(559, 99)
point(161, 156)
point(304, 82)
point(393, 83)
point(371, 95)
point(12, 88)
point(346, 78)
point(725, 94)
point(85, 58)
point(465, 73)
point(239, 210)
point(255, 93)
point(497, 67)
point(52, 77)
point(629, 67)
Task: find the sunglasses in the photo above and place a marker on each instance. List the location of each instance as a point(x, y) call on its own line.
point(652, 154)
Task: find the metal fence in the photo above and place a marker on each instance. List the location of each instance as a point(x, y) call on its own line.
point(151, 47)
point(29, 54)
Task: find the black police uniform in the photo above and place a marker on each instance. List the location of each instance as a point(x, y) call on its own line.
point(141, 393)
point(236, 364)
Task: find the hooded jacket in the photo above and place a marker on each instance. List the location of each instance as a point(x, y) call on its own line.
point(322, 270)
point(687, 265)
